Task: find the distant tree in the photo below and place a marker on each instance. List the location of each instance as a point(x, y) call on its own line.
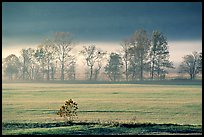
point(94, 57)
point(134, 66)
point(114, 67)
point(25, 62)
point(11, 66)
point(200, 62)
point(41, 60)
point(159, 55)
point(139, 49)
point(71, 70)
point(53, 70)
point(27, 59)
point(126, 56)
point(96, 71)
point(46, 54)
point(191, 64)
point(63, 43)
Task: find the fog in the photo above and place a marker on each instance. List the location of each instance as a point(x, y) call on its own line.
point(177, 49)
point(26, 25)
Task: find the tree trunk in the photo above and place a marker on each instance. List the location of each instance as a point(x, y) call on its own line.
point(91, 72)
point(109, 75)
point(152, 71)
point(142, 65)
point(52, 68)
point(33, 73)
point(62, 71)
point(96, 74)
point(126, 65)
point(114, 76)
point(191, 76)
point(126, 70)
point(24, 69)
point(48, 70)
point(43, 70)
point(134, 73)
point(158, 73)
point(74, 76)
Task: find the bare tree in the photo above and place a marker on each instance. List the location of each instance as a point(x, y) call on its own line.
point(191, 64)
point(71, 71)
point(126, 56)
point(63, 43)
point(48, 52)
point(97, 69)
point(93, 57)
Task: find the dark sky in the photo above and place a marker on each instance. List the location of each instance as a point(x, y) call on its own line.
point(88, 21)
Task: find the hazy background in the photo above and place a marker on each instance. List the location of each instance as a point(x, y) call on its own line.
point(105, 24)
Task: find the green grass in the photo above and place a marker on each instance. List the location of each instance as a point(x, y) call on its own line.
point(110, 128)
point(141, 103)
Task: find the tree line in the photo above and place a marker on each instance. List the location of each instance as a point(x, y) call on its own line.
point(140, 57)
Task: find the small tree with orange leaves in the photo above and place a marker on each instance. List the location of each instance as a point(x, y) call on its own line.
point(69, 110)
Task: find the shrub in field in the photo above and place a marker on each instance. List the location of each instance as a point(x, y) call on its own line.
point(68, 110)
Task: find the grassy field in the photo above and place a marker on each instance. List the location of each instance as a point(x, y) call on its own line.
point(113, 128)
point(123, 103)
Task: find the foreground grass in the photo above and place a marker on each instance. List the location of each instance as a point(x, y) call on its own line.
point(29, 108)
point(143, 103)
point(108, 128)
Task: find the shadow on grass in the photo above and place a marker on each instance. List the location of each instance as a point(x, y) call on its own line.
point(147, 81)
point(75, 128)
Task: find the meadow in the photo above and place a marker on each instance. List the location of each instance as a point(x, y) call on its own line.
point(38, 103)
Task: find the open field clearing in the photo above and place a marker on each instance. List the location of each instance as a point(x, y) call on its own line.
point(126, 103)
